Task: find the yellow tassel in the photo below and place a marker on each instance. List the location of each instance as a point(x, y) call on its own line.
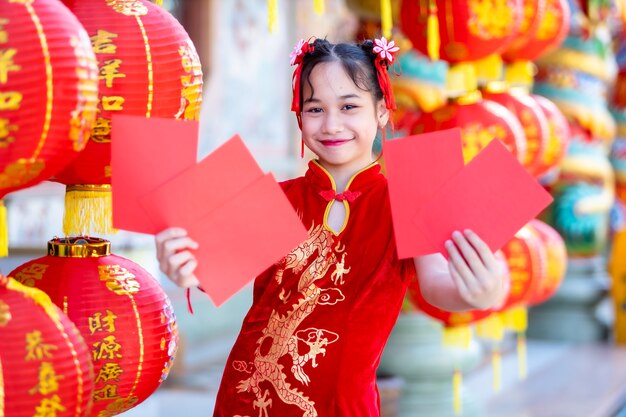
point(496, 364)
point(520, 74)
point(516, 319)
point(4, 231)
point(159, 2)
point(522, 366)
point(88, 210)
point(318, 6)
point(386, 18)
point(433, 41)
point(272, 14)
point(458, 336)
point(491, 328)
point(617, 269)
point(457, 385)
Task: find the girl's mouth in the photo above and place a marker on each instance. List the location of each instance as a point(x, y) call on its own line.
point(334, 142)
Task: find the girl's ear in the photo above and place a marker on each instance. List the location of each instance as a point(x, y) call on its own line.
point(382, 113)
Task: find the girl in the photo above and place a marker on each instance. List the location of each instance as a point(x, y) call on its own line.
point(312, 340)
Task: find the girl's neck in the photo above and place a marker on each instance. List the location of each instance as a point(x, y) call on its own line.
point(342, 174)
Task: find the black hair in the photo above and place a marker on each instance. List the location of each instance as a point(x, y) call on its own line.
point(358, 60)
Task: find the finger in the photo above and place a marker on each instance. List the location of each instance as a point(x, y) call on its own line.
point(484, 251)
point(165, 235)
point(187, 277)
point(176, 261)
point(170, 247)
point(462, 268)
point(469, 254)
point(459, 282)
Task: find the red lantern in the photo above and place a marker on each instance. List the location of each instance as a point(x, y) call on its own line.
point(48, 91)
point(556, 261)
point(558, 138)
point(533, 14)
point(467, 29)
point(121, 311)
point(526, 256)
point(530, 115)
point(147, 67)
point(480, 121)
point(45, 368)
point(550, 31)
point(447, 318)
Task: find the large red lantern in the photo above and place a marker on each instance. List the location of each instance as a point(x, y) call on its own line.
point(530, 115)
point(45, 366)
point(467, 30)
point(480, 121)
point(549, 31)
point(558, 139)
point(121, 311)
point(48, 91)
point(147, 67)
point(556, 261)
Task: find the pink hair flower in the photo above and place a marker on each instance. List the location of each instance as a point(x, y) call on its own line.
point(384, 50)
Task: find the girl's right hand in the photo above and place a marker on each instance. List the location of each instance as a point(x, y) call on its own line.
point(175, 259)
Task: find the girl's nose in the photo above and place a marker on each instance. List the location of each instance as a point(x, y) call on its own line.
point(332, 123)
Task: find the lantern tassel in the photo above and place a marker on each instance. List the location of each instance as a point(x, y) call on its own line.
point(491, 328)
point(496, 364)
point(318, 6)
point(4, 231)
point(522, 366)
point(386, 18)
point(159, 2)
point(458, 336)
point(433, 42)
point(272, 14)
point(88, 210)
point(457, 384)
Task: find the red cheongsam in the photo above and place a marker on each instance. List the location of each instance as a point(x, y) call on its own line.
point(312, 340)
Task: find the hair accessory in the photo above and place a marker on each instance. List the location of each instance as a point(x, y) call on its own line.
point(385, 52)
point(297, 55)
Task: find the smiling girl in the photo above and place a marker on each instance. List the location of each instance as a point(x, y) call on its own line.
point(312, 340)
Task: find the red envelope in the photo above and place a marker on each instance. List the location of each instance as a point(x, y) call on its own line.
point(221, 175)
point(243, 237)
point(493, 195)
point(417, 166)
point(144, 154)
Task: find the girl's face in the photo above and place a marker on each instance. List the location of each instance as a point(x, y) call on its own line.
point(340, 120)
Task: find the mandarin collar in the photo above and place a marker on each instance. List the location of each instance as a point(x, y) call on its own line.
point(318, 176)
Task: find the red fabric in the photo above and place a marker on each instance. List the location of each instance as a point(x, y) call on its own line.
point(312, 340)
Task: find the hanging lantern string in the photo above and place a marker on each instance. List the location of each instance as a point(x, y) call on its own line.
point(457, 386)
point(318, 6)
point(272, 14)
point(386, 18)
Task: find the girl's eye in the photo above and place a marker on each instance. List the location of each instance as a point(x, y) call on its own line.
point(349, 107)
point(314, 110)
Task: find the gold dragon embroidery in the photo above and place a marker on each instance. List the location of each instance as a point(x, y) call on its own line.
point(281, 336)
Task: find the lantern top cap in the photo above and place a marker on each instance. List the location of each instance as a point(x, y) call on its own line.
point(79, 247)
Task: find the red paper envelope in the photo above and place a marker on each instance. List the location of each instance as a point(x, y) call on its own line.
point(221, 175)
point(242, 238)
point(417, 166)
point(493, 195)
point(144, 154)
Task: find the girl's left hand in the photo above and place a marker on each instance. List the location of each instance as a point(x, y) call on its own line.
point(475, 270)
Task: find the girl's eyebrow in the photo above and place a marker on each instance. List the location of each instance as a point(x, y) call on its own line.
point(344, 97)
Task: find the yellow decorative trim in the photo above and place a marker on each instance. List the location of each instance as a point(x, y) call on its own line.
point(88, 210)
point(4, 231)
point(39, 297)
point(79, 247)
point(49, 84)
point(497, 87)
point(80, 390)
point(141, 346)
point(146, 43)
point(5, 314)
point(345, 203)
point(458, 336)
point(469, 98)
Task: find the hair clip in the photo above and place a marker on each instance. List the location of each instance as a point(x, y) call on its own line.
point(384, 50)
point(302, 47)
